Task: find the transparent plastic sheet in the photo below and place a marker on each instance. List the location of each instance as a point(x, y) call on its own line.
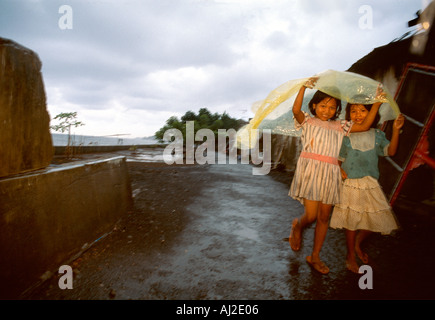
point(275, 112)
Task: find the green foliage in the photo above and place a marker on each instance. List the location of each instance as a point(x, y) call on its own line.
point(203, 120)
point(67, 120)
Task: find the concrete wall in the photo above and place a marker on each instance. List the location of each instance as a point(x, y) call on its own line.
point(77, 150)
point(47, 217)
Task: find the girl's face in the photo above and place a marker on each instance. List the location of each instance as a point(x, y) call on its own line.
point(325, 109)
point(358, 113)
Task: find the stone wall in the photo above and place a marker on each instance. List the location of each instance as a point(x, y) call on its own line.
point(25, 140)
point(49, 217)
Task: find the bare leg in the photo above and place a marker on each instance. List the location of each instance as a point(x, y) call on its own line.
point(299, 224)
point(351, 258)
point(361, 236)
point(319, 237)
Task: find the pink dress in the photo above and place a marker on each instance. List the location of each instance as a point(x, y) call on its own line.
point(317, 175)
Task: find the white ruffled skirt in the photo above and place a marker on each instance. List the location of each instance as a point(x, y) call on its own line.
point(363, 206)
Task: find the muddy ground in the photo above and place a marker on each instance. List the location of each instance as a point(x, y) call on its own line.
point(217, 232)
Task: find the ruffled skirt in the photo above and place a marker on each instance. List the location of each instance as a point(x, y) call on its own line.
point(363, 206)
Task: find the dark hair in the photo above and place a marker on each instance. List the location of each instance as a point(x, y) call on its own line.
point(368, 107)
point(319, 96)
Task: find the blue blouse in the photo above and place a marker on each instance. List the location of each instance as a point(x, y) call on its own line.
point(360, 151)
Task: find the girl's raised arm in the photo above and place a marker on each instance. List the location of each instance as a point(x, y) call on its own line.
point(366, 124)
point(297, 105)
point(394, 142)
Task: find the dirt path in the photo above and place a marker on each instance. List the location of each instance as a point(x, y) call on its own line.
point(217, 232)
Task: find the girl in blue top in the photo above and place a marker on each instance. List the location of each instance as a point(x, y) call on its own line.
point(363, 207)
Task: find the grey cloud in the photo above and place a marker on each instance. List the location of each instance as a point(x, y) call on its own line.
point(116, 48)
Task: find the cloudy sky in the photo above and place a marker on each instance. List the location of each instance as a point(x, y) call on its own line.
point(126, 66)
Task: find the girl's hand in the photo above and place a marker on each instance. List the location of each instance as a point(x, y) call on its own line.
point(343, 174)
point(311, 82)
point(380, 93)
point(399, 122)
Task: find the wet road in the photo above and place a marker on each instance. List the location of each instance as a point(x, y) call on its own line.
point(221, 234)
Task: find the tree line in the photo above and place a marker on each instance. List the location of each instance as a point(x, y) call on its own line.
point(204, 119)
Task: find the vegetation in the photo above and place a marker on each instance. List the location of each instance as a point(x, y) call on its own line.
point(203, 120)
point(67, 120)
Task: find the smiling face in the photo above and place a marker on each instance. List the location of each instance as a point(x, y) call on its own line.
point(325, 109)
point(358, 113)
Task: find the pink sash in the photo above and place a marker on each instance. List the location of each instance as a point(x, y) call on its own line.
point(319, 157)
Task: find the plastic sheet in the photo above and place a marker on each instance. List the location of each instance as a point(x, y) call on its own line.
point(275, 112)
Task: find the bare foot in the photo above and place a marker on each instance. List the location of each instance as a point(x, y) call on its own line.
point(295, 236)
point(352, 265)
point(362, 255)
point(318, 265)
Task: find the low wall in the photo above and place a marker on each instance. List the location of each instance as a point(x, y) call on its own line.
point(61, 150)
point(48, 217)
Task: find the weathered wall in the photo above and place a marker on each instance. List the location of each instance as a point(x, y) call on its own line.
point(285, 151)
point(25, 140)
point(46, 218)
point(78, 150)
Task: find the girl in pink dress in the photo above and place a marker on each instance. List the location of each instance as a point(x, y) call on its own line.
point(317, 180)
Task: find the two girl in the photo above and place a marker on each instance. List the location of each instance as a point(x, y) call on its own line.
point(363, 208)
point(317, 181)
